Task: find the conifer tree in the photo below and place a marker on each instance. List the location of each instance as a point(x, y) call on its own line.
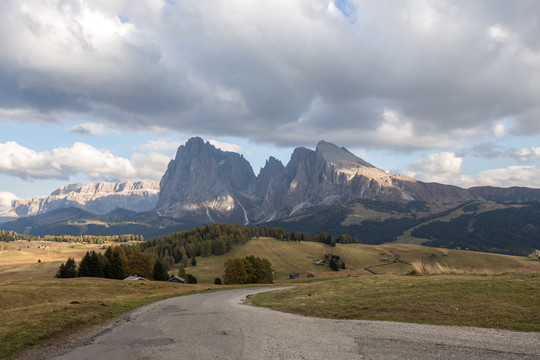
point(182, 271)
point(61, 274)
point(160, 272)
point(184, 259)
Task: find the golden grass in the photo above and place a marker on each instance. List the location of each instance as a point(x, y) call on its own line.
point(34, 310)
point(25, 252)
point(300, 257)
point(507, 301)
point(423, 268)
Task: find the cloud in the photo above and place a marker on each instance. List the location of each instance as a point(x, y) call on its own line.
point(90, 129)
point(162, 144)
point(445, 168)
point(80, 158)
point(523, 155)
point(442, 167)
point(447, 71)
point(226, 146)
point(151, 165)
point(5, 201)
point(527, 176)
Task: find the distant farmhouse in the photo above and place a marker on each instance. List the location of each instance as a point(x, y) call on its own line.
point(177, 280)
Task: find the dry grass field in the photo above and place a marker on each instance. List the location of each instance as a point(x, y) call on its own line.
point(300, 257)
point(466, 291)
point(507, 301)
point(39, 309)
point(19, 259)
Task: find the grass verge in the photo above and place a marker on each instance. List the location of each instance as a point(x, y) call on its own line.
point(507, 301)
point(35, 310)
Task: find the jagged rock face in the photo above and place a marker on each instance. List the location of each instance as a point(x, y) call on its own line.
point(207, 184)
point(326, 176)
point(98, 198)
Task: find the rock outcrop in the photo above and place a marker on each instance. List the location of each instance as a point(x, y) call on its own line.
point(207, 185)
point(99, 198)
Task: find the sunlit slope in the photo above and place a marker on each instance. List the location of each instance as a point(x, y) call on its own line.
point(360, 259)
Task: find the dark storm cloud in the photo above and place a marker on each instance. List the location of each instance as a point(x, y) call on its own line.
point(409, 75)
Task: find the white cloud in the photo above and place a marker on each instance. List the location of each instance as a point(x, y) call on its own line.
point(442, 167)
point(527, 176)
point(500, 130)
point(151, 165)
point(525, 155)
point(226, 146)
point(498, 33)
point(80, 158)
point(162, 144)
point(5, 201)
point(233, 68)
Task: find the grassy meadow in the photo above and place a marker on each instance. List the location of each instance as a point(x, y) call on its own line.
point(19, 259)
point(465, 288)
point(300, 257)
point(508, 301)
point(39, 309)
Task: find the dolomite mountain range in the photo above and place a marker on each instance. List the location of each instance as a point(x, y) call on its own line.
point(204, 185)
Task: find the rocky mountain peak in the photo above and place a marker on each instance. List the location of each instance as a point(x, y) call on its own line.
point(339, 155)
point(205, 182)
point(98, 198)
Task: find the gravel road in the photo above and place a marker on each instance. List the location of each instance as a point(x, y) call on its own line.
point(217, 325)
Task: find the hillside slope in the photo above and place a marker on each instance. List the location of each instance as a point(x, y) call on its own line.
point(300, 257)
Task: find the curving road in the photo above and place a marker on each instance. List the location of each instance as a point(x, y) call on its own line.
point(217, 325)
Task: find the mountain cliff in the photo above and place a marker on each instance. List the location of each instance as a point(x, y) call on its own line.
point(204, 185)
point(98, 198)
point(207, 184)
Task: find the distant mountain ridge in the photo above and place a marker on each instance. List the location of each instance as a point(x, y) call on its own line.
point(98, 198)
point(207, 185)
point(328, 189)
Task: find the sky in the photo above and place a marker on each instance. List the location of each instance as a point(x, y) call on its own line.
point(102, 90)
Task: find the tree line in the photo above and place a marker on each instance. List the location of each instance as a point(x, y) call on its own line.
point(118, 262)
point(10, 235)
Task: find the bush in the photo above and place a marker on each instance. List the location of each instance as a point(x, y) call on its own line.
point(217, 281)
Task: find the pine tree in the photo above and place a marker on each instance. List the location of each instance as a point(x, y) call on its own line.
point(217, 281)
point(160, 272)
point(84, 266)
point(193, 261)
point(190, 279)
point(184, 259)
point(118, 266)
point(182, 271)
point(71, 268)
point(61, 274)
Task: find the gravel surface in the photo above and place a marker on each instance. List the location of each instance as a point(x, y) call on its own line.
point(218, 325)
